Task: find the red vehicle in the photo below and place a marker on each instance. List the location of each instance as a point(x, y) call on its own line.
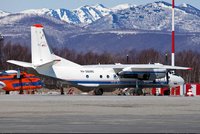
point(12, 80)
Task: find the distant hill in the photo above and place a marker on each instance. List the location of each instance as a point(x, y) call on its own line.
point(100, 29)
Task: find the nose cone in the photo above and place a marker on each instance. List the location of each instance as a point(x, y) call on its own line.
point(181, 81)
point(2, 84)
point(175, 80)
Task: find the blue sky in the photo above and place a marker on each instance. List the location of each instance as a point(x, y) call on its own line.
point(19, 5)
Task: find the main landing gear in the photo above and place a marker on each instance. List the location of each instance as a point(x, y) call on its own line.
point(137, 91)
point(98, 91)
point(131, 91)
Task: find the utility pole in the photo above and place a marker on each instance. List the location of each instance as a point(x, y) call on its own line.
point(173, 35)
point(127, 59)
point(1, 45)
point(166, 59)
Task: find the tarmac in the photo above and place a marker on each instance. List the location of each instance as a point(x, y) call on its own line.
point(99, 114)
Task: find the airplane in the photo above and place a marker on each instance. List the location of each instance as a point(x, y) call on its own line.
point(97, 77)
point(13, 80)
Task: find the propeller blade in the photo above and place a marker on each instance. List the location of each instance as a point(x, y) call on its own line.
point(167, 76)
point(18, 74)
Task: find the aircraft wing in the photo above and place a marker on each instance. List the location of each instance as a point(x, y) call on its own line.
point(154, 66)
point(176, 67)
point(132, 67)
point(20, 63)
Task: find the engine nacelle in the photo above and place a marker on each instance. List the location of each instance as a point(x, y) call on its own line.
point(143, 75)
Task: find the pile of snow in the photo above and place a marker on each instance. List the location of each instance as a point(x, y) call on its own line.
point(2, 13)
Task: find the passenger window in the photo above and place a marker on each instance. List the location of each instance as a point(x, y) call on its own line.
point(108, 76)
point(101, 76)
point(115, 76)
point(87, 76)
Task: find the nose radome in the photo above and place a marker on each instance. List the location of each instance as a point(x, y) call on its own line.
point(2, 84)
point(175, 80)
point(181, 81)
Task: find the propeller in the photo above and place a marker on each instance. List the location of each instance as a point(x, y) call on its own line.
point(18, 74)
point(167, 76)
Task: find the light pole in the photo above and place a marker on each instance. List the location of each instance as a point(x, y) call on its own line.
point(127, 58)
point(1, 45)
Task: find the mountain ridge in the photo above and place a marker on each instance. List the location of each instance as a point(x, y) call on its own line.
point(135, 27)
point(87, 14)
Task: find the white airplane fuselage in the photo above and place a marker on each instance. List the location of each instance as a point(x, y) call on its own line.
point(100, 76)
point(45, 62)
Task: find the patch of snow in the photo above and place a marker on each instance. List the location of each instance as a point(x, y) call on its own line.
point(36, 11)
point(2, 13)
point(122, 7)
point(183, 5)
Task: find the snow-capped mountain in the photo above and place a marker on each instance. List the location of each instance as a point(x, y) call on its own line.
point(2, 13)
point(100, 29)
point(122, 7)
point(189, 9)
point(83, 15)
point(152, 16)
point(88, 14)
point(16, 28)
point(42, 11)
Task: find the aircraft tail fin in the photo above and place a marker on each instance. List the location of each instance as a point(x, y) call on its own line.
point(41, 53)
point(40, 50)
point(42, 56)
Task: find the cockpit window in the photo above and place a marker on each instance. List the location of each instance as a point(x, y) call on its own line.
point(176, 74)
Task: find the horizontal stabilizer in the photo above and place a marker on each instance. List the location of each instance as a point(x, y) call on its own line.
point(20, 63)
point(48, 64)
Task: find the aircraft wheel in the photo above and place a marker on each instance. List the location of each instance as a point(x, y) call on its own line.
point(21, 92)
point(7, 92)
point(62, 91)
point(139, 92)
point(98, 91)
point(167, 92)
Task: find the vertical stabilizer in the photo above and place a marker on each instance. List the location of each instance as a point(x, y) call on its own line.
point(41, 53)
